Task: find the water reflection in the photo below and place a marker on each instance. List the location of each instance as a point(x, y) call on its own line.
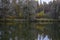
point(24, 31)
point(41, 37)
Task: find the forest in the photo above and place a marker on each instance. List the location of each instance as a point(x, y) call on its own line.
point(24, 20)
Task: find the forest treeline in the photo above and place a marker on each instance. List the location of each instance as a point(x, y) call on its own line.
point(29, 11)
point(14, 9)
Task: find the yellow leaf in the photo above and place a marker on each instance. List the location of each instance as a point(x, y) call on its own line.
point(41, 13)
point(40, 27)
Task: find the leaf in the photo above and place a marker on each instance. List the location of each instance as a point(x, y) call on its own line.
point(41, 13)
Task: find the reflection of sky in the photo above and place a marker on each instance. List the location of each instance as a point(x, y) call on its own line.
point(40, 37)
point(46, 38)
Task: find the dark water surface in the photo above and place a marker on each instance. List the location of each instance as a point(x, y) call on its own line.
point(24, 30)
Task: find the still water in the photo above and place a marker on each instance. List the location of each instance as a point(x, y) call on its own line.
point(40, 37)
point(27, 31)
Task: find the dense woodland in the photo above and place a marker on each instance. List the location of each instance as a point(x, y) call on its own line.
point(18, 20)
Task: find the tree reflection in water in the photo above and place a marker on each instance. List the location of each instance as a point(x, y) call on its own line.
point(17, 30)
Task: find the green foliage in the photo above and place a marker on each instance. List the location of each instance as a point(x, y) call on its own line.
point(41, 13)
point(25, 29)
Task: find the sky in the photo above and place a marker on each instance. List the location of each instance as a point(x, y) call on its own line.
point(44, 1)
point(47, 0)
